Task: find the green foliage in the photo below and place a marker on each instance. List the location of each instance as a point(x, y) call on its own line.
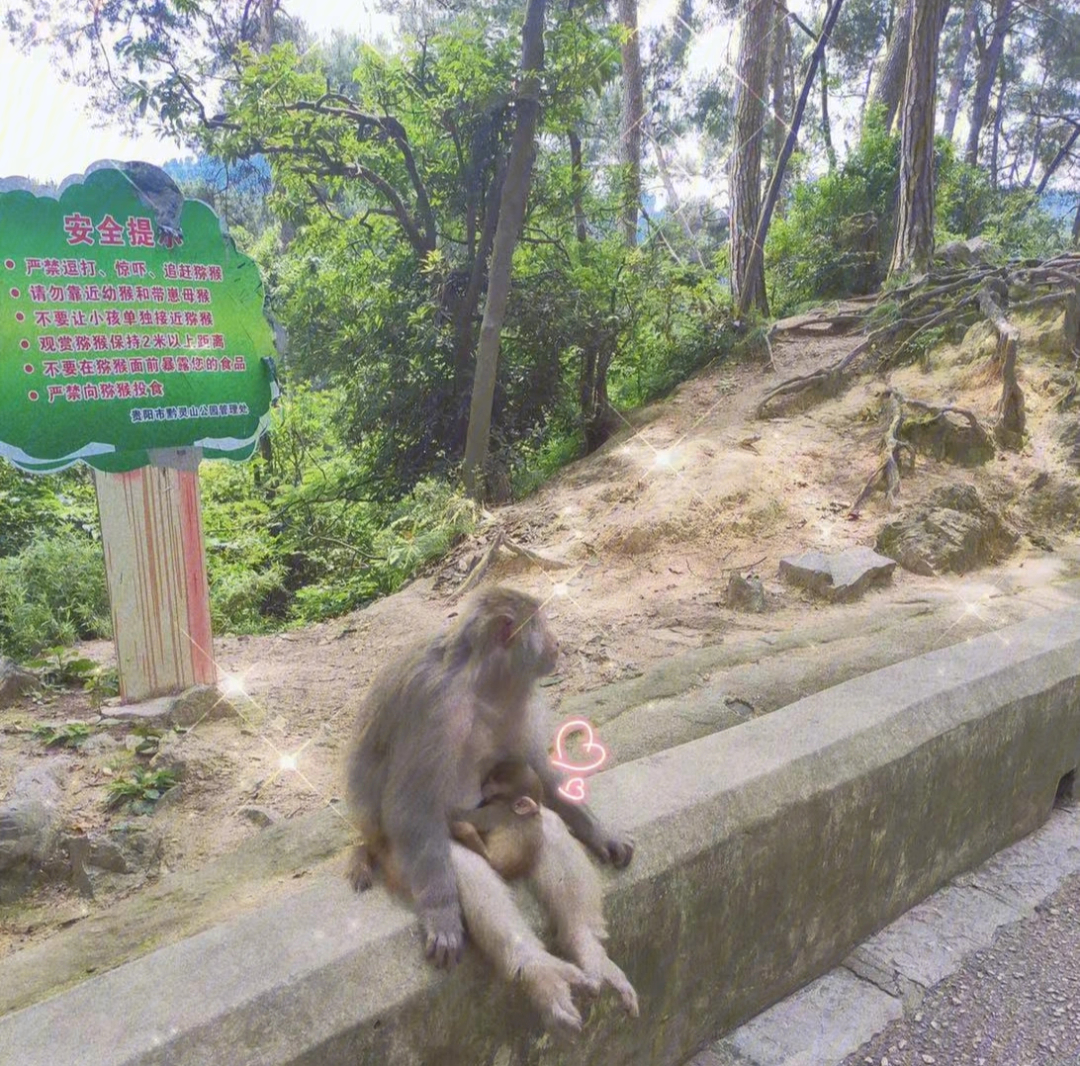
point(68, 735)
point(303, 535)
point(52, 593)
point(967, 205)
point(535, 463)
point(33, 506)
point(101, 684)
point(61, 666)
point(679, 320)
point(834, 236)
point(148, 740)
point(143, 788)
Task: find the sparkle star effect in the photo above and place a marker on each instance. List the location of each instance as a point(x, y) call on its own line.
point(287, 761)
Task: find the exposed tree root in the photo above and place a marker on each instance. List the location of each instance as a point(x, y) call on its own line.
point(503, 541)
point(887, 475)
point(1009, 423)
point(945, 299)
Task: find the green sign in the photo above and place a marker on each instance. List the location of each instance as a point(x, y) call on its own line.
point(128, 322)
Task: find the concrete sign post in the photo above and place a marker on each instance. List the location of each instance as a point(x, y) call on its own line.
point(133, 338)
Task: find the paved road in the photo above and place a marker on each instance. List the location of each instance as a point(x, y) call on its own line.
point(1015, 1003)
point(985, 972)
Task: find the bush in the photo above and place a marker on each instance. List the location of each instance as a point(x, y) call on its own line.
point(36, 505)
point(52, 593)
point(834, 237)
point(1012, 220)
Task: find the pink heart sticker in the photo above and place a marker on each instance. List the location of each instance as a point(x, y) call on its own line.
point(591, 745)
point(573, 790)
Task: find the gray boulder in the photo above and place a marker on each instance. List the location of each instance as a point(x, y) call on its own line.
point(954, 532)
point(840, 577)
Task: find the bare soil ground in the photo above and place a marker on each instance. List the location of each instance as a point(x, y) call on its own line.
point(641, 539)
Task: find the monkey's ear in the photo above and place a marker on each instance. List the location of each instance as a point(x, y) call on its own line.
point(505, 629)
point(525, 806)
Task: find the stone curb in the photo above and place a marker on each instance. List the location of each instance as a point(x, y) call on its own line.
point(887, 976)
point(766, 853)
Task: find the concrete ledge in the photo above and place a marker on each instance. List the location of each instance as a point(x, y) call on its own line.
point(765, 854)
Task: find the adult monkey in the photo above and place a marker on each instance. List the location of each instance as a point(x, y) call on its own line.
point(438, 720)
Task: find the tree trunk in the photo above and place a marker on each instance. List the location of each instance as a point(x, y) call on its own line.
point(1076, 226)
point(913, 247)
point(748, 270)
point(1058, 159)
point(577, 185)
point(984, 79)
point(757, 244)
point(826, 126)
point(631, 118)
point(464, 312)
point(956, 82)
point(890, 83)
point(995, 143)
point(778, 48)
point(515, 192)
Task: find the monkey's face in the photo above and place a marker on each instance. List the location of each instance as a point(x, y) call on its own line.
point(542, 647)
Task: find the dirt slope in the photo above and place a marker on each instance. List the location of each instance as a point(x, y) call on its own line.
point(640, 539)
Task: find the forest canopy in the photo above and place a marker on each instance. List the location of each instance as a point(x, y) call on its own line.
point(591, 200)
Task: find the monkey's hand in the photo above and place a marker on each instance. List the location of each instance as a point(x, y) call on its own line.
point(444, 935)
point(609, 847)
point(613, 849)
point(606, 845)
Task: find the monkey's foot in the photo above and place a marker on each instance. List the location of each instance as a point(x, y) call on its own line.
point(444, 935)
point(360, 873)
point(614, 977)
point(549, 982)
point(610, 847)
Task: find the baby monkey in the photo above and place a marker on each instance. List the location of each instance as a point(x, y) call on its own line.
point(506, 829)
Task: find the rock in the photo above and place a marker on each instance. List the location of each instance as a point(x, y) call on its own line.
point(953, 531)
point(194, 705)
point(116, 858)
point(954, 254)
point(172, 754)
point(966, 253)
point(130, 847)
point(746, 593)
point(260, 816)
point(29, 827)
point(99, 744)
point(840, 577)
point(15, 682)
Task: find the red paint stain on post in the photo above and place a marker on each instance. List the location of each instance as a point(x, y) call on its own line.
point(198, 595)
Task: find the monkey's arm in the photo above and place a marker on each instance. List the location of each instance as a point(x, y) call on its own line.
point(481, 819)
point(465, 833)
point(416, 824)
point(607, 845)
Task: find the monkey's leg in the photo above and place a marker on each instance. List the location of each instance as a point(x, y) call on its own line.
point(361, 868)
point(465, 833)
point(501, 933)
point(569, 891)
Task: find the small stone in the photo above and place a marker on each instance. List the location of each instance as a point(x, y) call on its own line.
point(745, 593)
point(260, 816)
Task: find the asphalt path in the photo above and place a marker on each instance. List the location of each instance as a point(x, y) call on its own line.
point(1014, 1003)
